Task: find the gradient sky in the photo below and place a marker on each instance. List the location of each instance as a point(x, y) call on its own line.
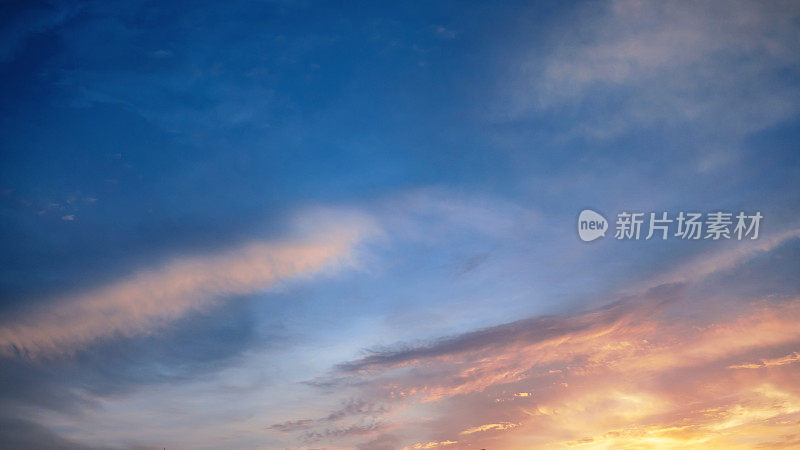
point(352, 225)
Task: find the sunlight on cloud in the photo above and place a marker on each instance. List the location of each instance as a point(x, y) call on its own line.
point(433, 444)
point(788, 359)
point(676, 365)
point(489, 426)
point(150, 299)
point(626, 376)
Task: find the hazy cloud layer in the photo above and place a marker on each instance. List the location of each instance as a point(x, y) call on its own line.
point(716, 71)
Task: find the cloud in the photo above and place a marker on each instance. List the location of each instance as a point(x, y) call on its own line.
point(149, 300)
point(720, 261)
point(347, 431)
point(616, 381)
point(433, 214)
point(382, 442)
point(669, 367)
point(291, 425)
point(602, 335)
point(788, 359)
point(432, 444)
point(353, 407)
point(538, 329)
point(716, 70)
point(15, 433)
point(489, 427)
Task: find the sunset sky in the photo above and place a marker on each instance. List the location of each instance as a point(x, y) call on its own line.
point(289, 224)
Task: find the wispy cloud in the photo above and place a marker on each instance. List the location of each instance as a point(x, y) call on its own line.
point(715, 70)
point(719, 261)
point(432, 214)
point(489, 427)
point(639, 368)
point(788, 359)
point(431, 444)
point(150, 299)
point(662, 369)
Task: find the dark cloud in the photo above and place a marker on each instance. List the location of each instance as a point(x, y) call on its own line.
point(292, 425)
point(198, 345)
point(772, 271)
point(19, 20)
point(352, 408)
point(341, 432)
point(22, 434)
point(382, 442)
point(528, 330)
point(356, 407)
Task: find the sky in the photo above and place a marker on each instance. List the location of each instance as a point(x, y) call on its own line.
point(353, 225)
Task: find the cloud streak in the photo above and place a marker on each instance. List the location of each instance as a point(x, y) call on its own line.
point(707, 264)
point(671, 367)
point(658, 382)
point(150, 299)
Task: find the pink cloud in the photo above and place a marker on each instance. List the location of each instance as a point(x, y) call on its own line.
point(149, 300)
point(631, 375)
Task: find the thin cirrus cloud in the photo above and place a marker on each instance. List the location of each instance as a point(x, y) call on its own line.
point(671, 367)
point(788, 359)
point(432, 444)
point(717, 70)
point(707, 264)
point(489, 427)
point(150, 299)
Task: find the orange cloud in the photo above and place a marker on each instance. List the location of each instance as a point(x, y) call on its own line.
point(489, 427)
point(433, 444)
point(626, 376)
point(788, 359)
point(660, 369)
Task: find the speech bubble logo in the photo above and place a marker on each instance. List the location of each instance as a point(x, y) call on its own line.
point(591, 225)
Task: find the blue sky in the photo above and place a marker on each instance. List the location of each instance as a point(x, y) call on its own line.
point(209, 209)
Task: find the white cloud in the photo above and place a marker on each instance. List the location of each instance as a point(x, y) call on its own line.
point(716, 70)
point(432, 214)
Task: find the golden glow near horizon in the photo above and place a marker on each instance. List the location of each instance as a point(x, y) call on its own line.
point(635, 378)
